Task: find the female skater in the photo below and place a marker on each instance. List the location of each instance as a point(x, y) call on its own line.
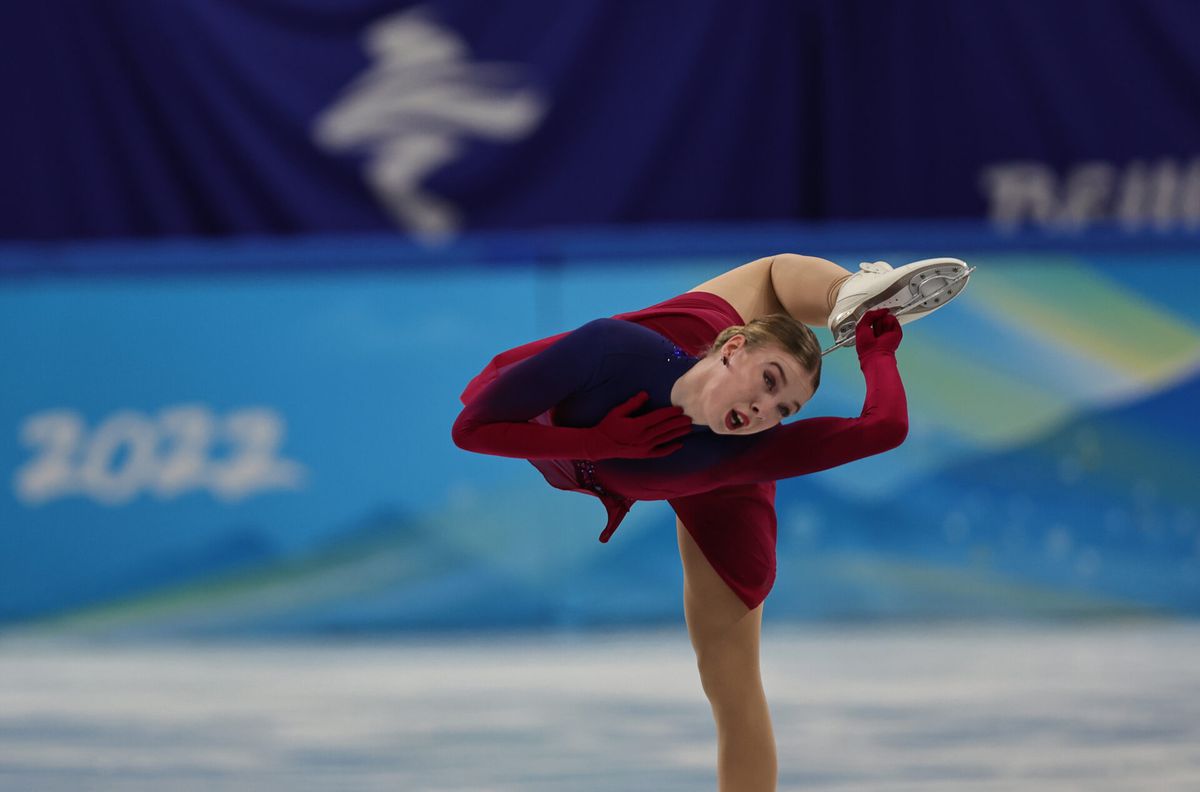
point(726, 532)
point(568, 410)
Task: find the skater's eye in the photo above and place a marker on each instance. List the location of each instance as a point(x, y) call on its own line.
point(770, 387)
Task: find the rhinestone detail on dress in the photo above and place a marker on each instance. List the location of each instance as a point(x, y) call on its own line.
point(585, 474)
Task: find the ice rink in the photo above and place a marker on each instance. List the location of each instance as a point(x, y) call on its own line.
point(963, 708)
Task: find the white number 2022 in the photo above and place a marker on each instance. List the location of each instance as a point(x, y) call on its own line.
point(182, 449)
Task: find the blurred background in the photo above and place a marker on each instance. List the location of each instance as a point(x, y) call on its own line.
point(253, 251)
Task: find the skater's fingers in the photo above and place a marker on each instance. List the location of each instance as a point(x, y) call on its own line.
point(871, 316)
point(886, 324)
point(653, 418)
point(661, 414)
point(864, 333)
point(629, 405)
point(671, 430)
point(877, 330)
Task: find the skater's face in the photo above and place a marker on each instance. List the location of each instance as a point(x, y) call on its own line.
point(760, 385)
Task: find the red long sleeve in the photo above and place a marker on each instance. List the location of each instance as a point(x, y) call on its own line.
point(527, 440)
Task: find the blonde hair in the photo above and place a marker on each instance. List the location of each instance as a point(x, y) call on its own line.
point(794, 337)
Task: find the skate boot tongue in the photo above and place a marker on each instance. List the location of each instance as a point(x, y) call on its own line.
point(875, 266)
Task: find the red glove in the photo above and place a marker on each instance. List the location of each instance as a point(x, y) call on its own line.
point(649, 435)
point(877, 332)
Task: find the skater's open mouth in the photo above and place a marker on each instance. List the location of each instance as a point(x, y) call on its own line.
point(734, 420)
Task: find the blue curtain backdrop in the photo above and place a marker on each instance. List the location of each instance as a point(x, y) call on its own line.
point(217, 117)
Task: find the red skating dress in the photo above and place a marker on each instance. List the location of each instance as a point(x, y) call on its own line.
point(721, 486)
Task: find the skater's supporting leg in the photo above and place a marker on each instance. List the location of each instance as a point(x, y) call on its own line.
point(725, 636)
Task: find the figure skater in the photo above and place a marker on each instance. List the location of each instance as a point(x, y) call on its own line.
point(683, 401)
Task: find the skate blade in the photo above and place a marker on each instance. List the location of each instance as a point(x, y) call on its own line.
point(937, 298)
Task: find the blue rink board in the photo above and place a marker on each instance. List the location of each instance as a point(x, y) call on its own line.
point(237, 448)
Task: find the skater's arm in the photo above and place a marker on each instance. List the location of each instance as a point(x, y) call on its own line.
point(818, 444)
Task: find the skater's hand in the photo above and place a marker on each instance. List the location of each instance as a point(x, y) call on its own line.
point(878, 331)
point(649, 435)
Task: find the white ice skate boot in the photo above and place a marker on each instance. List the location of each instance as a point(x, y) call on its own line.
point(910, 292)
